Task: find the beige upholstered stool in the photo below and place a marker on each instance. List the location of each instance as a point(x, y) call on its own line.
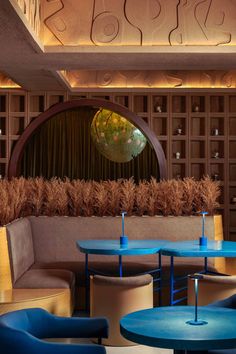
point(115, 297)
point(212, 288)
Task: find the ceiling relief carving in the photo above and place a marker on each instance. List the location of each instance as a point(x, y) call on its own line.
point(6, 82)
point(31, 10)
point(138, 22)
point(150, 79)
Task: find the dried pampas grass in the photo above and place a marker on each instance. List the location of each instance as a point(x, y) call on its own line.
point(36, 196)
point(75, 197)
point(210, 193)
point(127, 196)
point(56, 198)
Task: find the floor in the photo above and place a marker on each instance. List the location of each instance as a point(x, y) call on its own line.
point(136, 349)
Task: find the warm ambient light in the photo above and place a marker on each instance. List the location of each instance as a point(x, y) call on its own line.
point(86, 79)
point(115, 137)
point(6, 82)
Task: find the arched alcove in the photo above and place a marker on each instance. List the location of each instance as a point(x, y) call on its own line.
point(37, 135)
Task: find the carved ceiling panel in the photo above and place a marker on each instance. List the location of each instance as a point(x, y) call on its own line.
point(150, 79)
point(32, 11)
point(139, 22)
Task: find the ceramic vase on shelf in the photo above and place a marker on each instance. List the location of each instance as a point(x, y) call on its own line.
point(177, 155)
point(158, 108)
point(215, 131)
point(179, 130)
point(233, 199)
point(216, 155)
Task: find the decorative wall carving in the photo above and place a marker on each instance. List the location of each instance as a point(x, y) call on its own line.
point(6, 82)
point(138, 22)
point(150, 79)
point(32, 12)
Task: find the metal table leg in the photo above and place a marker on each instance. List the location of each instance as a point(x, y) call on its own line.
point(160, 280)
point(171, 280)
point(120, 267)
point(205, 265)
point(86, 283)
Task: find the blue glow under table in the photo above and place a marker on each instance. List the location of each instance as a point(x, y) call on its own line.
point(113, 248)
point(166, 327)
point(193, 249)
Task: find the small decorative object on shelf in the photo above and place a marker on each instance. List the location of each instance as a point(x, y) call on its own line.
point(195, 107)
point(215, 131)
point(123, 237)
point(196, 321)
point(158, 108)
point(233, 199)
point(203, 238)
point(0, 131)
point(177, 155)
point(215, 177)
point(0, 176)
point(178, 176)
point(179, 130)
point(216, 155)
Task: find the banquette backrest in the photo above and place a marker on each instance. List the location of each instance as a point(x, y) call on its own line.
point(53, 239)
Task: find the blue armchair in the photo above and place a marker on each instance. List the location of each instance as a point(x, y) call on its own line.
point(22, 332)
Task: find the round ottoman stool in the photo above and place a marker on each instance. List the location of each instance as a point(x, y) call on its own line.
point(115, 297)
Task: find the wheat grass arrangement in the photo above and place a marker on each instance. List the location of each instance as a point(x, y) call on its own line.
point(88, 198)
point(190, 190)
point(175, 197)
point(210, 193)
point(114, 194)
point(56, 198)
point(127, 196)
point(152, 197)
point(141, 200)
point(35, 190)
point(17, 196)
point(36, 196)
point(75, 197)
point(100, 199)
point(163, 206)
point(5, 212)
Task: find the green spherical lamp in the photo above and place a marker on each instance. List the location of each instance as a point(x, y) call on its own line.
point(115, 137)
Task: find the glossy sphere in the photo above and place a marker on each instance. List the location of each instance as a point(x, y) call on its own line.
point(115, 137)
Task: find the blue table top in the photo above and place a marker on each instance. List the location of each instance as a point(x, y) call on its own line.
point(166, 327)
point(113, 247)
point(192, 249)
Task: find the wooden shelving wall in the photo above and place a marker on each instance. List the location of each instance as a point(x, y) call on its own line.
point(197, 131)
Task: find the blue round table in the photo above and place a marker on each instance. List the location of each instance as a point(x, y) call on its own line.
point(166, 327)
point(193, 249)
point(113, 247)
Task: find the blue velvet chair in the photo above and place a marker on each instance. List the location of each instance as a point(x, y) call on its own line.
point(22, 332)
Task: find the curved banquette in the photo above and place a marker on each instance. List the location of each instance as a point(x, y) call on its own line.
point(40, 252)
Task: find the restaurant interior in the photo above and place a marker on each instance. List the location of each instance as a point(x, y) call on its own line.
point(117, 176)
